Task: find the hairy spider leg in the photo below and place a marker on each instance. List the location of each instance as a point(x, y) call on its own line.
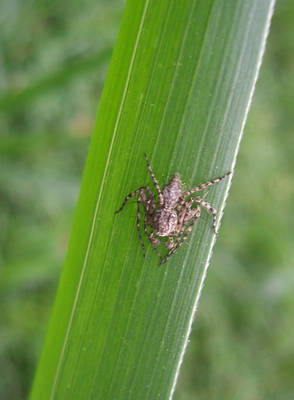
point(209, 208)
point(139, 201)
point(170, 243)
point(204, 185)
point(150, 236)
point(188, 204)
point(152, 240)
point(134, 193)
point(185, 213)
point(156, 184)
point(191, 211)
point(181, 239)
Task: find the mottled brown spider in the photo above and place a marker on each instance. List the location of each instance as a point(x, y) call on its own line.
point(172, 216)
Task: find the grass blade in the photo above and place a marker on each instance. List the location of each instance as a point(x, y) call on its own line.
point(178, 87)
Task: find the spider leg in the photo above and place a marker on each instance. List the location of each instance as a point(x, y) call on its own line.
point(156, 184)
point(185, 214)
point(134, 193)
point(204, 185)
point(139, 224)
point(209, 208)
point(189, 215)
point(183, 202)
point(154, 241)
point(170, 243)
point(181, 239)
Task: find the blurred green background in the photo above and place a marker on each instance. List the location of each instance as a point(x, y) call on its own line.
point(53, 61)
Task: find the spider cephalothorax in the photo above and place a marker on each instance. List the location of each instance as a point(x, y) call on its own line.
point(172, 215)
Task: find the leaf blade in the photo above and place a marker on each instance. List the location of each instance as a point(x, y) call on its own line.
point(145, 313)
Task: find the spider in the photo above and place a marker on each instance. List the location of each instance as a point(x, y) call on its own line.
point(172, 216)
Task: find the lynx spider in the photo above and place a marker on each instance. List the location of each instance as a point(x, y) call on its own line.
point(173, 215)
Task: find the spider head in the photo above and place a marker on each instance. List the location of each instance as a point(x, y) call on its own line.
point(164, 221)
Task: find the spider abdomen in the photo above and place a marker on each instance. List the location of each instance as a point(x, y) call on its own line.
point(172, 191)
point(164, 221)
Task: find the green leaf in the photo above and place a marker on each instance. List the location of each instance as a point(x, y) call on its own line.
point(178, 87)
